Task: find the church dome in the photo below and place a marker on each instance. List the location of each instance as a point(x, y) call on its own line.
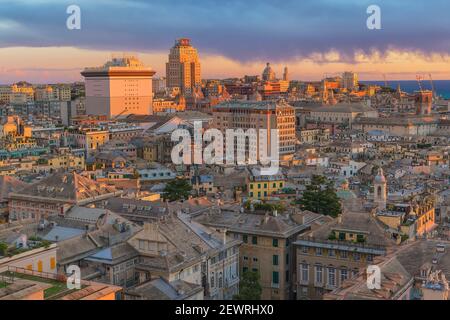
point(380, 178)
point(268, 73)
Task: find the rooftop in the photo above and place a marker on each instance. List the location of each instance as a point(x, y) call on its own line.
point(19, 283)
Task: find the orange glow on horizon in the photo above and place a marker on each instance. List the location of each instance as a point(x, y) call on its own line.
point(50, 64)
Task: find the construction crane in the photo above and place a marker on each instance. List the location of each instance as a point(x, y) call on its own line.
point(419, 78)
point(432, 87)
point(385, 81)
point(119, 114)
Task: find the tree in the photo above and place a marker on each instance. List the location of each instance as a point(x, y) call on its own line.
point(320, 197)
point(249, 286)
point(177, 189)
point(3, 248)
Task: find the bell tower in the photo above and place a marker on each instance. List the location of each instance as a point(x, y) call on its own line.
point(380, 190)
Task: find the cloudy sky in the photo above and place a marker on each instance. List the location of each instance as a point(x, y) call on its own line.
point(234, 37)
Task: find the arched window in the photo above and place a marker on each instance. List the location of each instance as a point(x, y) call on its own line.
point(212, 280)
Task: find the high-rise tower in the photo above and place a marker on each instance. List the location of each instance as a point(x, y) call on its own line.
point(183, 68)
point(121, 86)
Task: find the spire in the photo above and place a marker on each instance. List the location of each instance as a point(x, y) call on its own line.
point(324, 93)
point(380, 178)
point(286, 74)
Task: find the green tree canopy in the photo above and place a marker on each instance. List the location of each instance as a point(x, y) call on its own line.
point(249, 286)
point(3, 248)
point(320, 197)
point(177, 189)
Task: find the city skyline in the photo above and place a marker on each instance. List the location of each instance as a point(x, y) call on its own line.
point(244, 38)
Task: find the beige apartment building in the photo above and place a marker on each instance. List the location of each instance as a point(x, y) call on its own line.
point(267, 247)
point(122, 86)
point(257, 115)
point(53, 93)
point(349, 80)
point(5, 93)
point(183, 68)
point(337, 251)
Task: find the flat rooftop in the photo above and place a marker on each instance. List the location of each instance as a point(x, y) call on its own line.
point(18, 284)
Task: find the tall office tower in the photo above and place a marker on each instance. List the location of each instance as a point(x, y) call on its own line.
point(349, 80)
point(183, 68)
point(121, 86)
point(424, 101)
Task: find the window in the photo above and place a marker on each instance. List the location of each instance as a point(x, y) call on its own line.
point(331, 252)
point(319, 274)
point(341, 236)
point(275, 259)
point(255, 269)
point(318, 251)
point(254, 240)
point(370, 257)
point(255, 259)
point(287, 258)
point(52, 263)
point(287, 275)
point(39, 266)
point(244, 269)
point(275, 242)
point(356, 256)
point(304, 268)
point(274, 185)
point(344, 275)
point(212, 279)
point(304, 249)
point(245, 238)
point(331, 276)
point(343, 254)
point(251, 185)
point(275, 277)
point(245, 258)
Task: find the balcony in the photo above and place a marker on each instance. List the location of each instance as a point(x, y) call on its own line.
point(360, 247)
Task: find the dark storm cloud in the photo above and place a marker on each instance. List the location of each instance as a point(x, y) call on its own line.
point(239, 29)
